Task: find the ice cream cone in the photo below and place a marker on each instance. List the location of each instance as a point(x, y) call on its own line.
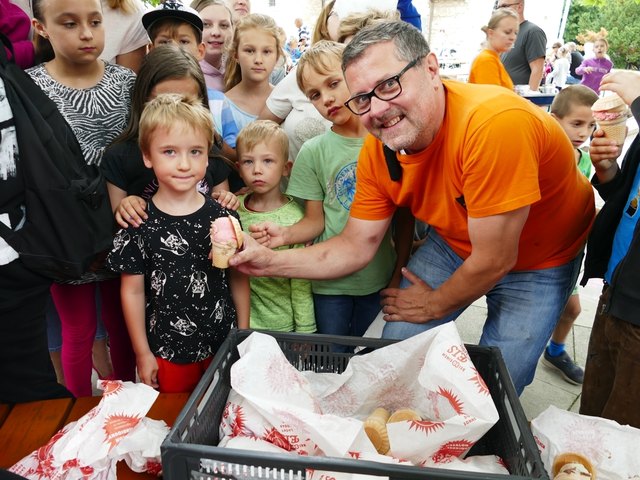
point(226, 239)
point(611, 113)
point(614, 129)
point(375, 426)
point(572, 466)
point(403, 415)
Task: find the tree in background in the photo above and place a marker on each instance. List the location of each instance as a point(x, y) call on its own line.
point(620, 20)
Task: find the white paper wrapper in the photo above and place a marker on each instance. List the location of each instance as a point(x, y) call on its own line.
point(610, 447)
point(114, 429)
point(322, 414)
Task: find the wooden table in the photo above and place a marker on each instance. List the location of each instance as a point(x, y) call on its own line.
point(24, 427)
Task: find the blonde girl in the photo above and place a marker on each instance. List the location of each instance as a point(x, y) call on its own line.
point(501, 32)
point(251, 58)
point(94, 98)
point(327, 24)
point(218, 31)
point(558, 76)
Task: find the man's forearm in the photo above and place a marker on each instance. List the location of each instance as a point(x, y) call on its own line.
point(537, 69)
point(333, 258)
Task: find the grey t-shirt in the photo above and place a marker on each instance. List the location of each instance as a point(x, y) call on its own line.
point(531, 44)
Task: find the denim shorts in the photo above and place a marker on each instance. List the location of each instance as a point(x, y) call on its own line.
point(522, 308)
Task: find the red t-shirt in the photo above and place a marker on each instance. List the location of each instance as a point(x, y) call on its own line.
point(494, 153)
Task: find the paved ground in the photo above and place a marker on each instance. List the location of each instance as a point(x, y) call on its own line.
point(548, 387)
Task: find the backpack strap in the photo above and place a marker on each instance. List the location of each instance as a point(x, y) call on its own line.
point(6, 43)
point(393, 165)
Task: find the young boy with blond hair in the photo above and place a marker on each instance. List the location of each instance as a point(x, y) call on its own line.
point(278, 304)
point(572, 108)
point(178, 308)
point(324, 176)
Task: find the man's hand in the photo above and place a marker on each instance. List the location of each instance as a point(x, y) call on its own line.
point(131, 211)
point(269, 234)
point(408, 304)
point(254, 259)
point(625, 83)
point(148, 369)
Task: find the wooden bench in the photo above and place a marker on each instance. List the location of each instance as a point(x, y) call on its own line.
point(24, 427)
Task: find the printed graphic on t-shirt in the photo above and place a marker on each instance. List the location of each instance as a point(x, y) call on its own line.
point(344, 187)
point(189, 309)
point(8, 140)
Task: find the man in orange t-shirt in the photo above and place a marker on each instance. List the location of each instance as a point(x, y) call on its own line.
point(492, 174)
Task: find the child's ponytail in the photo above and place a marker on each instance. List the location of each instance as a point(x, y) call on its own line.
point(42, 46)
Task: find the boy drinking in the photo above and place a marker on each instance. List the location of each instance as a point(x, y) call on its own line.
point(177, 307)
point(324, 176)
point(572, 108)
point(278, 304)
point(172, 22)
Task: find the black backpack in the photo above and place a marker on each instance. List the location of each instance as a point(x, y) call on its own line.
point(68, 216)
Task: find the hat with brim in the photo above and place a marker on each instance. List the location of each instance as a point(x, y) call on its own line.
point(172, 9)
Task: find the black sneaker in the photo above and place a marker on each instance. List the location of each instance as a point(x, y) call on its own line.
point(571, 372)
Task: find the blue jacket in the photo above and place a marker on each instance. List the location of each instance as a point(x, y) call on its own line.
point(625, 294)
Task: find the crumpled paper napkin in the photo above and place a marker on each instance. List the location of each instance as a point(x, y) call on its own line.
point(610, 447)
point(114, 429)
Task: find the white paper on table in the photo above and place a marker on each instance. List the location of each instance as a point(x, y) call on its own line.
point(610, 447)
point(114, 429)
point(313, 413)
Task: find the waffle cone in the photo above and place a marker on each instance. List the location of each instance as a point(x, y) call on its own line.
point(220, 254)
point(564, 459)
point(375, 426)
point(404, 415)
point(615, 129)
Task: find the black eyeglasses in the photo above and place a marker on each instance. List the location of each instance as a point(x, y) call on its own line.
point(508, 5)
point(386, 90)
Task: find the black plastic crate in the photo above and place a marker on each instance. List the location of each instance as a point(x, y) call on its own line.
point(190, 453)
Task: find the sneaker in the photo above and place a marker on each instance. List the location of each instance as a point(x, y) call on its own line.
point(571, 372)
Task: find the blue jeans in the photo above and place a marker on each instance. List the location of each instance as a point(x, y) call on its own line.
point(522, 308)
point(348, 315)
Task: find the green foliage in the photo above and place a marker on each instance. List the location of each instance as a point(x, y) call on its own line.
point(620, 19)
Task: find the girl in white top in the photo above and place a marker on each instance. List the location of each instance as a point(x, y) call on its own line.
point(125, 38)
point(217, 33)
point(560, 72)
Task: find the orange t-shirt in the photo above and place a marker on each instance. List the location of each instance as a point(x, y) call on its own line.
point(488, 68)
point(494, 153)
